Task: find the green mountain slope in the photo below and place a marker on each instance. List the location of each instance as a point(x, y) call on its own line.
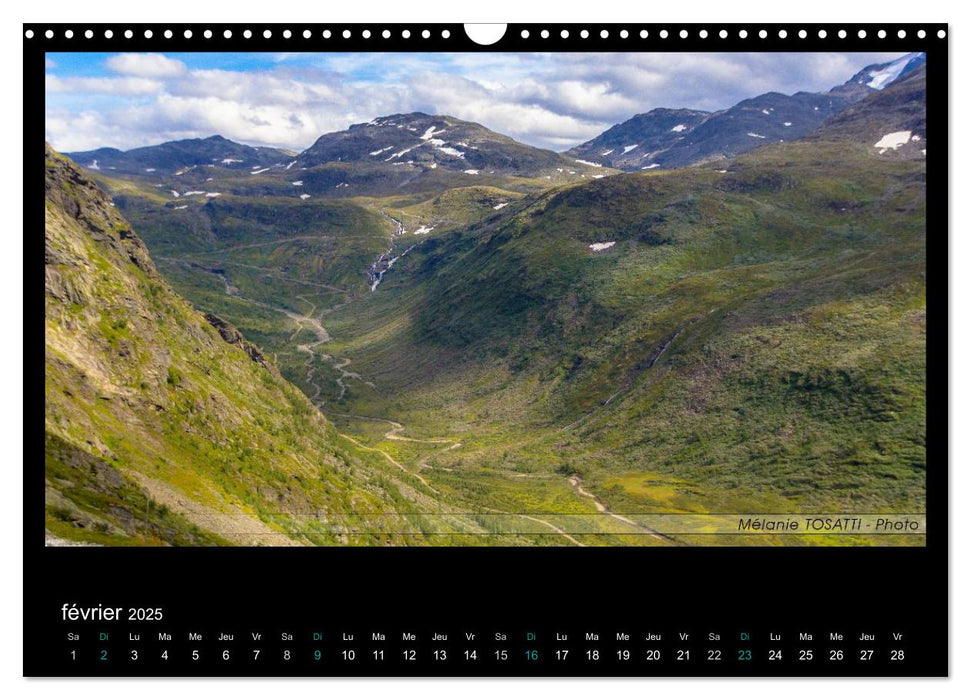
point(752, 338)
point(164, 426)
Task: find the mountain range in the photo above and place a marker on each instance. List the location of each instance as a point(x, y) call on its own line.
point(666, 138)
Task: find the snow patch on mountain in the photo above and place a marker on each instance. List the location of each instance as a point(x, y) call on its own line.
point(400, 153)
point(429, 132)
point(892, 141)
point(879, 79)
point(628, 149)
point(451, 151)
point(597, 247)
point(679, 128)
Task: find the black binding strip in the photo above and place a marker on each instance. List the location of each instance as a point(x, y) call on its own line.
point(452, 37)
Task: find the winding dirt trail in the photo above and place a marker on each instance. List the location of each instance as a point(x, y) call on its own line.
point(602, 508)
point(312, 323)
point(394, 434)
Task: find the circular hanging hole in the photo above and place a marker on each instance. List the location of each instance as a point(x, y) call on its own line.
point(485, 34)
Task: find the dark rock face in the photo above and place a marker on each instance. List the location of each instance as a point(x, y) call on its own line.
point(231, 335)
point(634, 144)
point(70, 189)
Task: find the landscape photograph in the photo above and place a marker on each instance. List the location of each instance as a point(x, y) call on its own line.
point(485, 299)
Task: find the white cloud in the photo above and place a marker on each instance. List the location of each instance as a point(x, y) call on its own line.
point(103, 86)
point(145, 65)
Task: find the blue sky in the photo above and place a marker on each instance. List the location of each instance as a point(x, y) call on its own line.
point(553, 100)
